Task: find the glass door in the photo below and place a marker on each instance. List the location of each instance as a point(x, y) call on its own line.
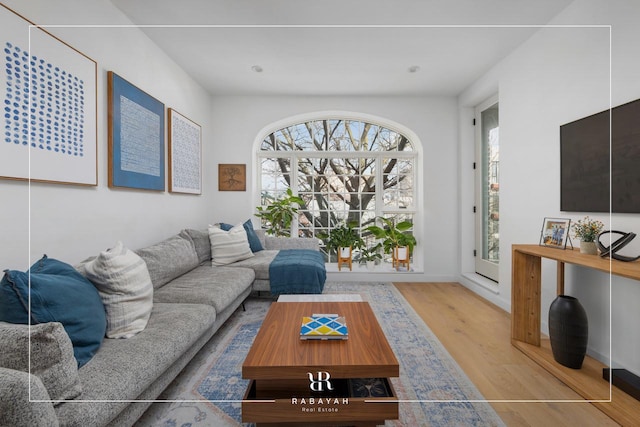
point(487, 208)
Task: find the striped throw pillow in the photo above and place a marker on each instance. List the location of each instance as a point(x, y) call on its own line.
point(229, 246)
point(124, 284)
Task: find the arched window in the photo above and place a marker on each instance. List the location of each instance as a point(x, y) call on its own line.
point(345, 170)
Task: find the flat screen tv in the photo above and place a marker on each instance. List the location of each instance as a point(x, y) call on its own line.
point(590, 172)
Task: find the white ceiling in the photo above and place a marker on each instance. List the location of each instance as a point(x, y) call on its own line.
point(338, 47)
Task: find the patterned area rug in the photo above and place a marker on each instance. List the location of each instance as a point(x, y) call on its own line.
point(432, 389)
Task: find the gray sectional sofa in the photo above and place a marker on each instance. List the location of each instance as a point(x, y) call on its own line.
point(191, 300)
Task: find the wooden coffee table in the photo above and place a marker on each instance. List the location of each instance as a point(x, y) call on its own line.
point(290, 377)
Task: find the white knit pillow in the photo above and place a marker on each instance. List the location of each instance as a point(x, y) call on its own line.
point(229, 246)
point(124, 284)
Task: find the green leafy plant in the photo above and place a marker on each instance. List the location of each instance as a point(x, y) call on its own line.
point(279, 214)
point(369, 254)
point(587, 229)
point(394, 235)
point(343, 236)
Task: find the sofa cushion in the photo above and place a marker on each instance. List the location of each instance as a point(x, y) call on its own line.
point(24, 400)
point(59, 293)
point(170, 258)
point(229, 246)
point(125, 287)
point(254, 241)
point(123, 369)
point(51, 357)
point(202, 243)
point(215, 286)
point(259, 263)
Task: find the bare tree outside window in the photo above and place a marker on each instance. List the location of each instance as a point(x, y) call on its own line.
point(344, 170)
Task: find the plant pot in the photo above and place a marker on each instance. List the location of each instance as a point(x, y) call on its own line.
point(588, 248)
point(371, 265)
point(402, 253)
point(568, 331)
point(344, 257)
point(345, 252)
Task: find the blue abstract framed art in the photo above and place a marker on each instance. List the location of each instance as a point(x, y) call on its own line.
point(136, 137)
point(48, 92)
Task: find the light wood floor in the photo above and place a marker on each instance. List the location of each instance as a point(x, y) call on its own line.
point(477, 334)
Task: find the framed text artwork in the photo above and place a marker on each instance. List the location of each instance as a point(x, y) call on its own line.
point(136, 137)
point(232, 177)
point(185, 154)
point(49, 106)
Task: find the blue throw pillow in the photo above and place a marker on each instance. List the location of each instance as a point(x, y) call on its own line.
point(254, 241)
point(59, 293)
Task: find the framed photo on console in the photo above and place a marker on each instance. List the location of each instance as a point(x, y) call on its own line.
point(555, 232)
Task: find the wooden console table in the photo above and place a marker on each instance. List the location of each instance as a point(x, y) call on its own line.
point(526, 279)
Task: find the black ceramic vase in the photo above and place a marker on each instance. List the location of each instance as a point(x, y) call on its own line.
point(568, 331)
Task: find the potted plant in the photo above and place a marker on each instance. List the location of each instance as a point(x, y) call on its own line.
point(343, 239)
point(279, 214)
point(369, 255)
point(396, 239)
point(587, 231)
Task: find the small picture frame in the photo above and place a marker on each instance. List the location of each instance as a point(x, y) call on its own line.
point(232, 177)
point(555, 232)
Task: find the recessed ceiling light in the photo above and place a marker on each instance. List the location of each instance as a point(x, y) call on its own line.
point(257, 68)
point(414, 69)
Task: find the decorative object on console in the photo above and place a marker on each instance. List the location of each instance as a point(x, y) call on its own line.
point(50, 106)
point(136, 136)
point(568, 331)
point(232, 177)
point(587, 231)
point(555, 233)
point(185, 154)
point(616, 245)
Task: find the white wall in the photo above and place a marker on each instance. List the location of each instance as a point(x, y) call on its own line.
point(238, 121)
point(557, 76)
point(72, 222)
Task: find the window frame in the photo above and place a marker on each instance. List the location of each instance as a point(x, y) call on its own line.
point(415, 154)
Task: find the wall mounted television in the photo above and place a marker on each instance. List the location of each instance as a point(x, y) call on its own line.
point(590, 172)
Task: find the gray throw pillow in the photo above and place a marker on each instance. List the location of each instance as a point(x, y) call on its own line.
point(52, 357)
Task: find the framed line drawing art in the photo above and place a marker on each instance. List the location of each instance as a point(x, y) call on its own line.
point(232, 177)
point(185, 154)
point(136, 137)
point(555, 232)
point(48, 91)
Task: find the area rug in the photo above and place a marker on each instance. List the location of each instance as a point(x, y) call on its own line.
point(432, 389)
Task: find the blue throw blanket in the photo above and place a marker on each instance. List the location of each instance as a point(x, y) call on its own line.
point(297, 271)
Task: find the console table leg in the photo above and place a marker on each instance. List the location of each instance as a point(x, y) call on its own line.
point(525, 297)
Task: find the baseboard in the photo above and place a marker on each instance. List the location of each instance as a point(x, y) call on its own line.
point(485, 288)
point(624, 380)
